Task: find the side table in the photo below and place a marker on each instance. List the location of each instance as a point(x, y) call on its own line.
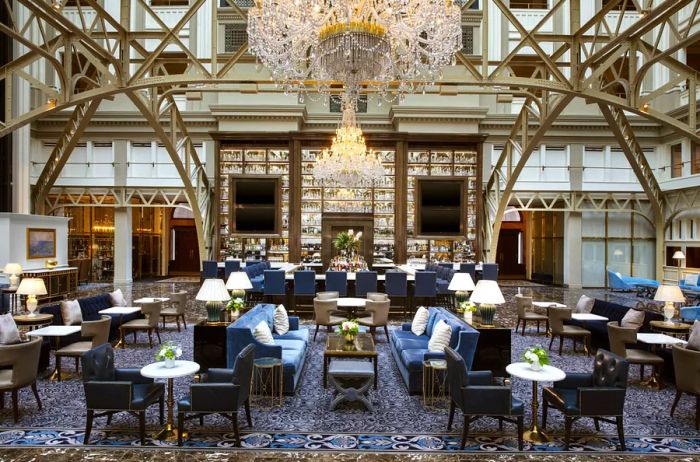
point(434, 382)
point(33, 322)
point(679, 330)
point(210, 344)
point(522, 370)
point(267, 380)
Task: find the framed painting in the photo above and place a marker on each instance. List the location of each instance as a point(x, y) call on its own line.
point(41, 243)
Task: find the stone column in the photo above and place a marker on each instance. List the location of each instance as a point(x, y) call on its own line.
point(572, 250)
point(122, 246)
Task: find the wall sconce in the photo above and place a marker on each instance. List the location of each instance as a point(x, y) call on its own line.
point(51, 102)
point(645, 107)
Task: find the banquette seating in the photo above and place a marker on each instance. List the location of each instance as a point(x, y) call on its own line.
point(410, 350)
point(617, 281)
point(291, 347)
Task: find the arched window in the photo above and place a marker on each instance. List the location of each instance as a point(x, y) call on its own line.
point(512, 215)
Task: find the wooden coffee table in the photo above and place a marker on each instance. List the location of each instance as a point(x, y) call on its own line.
point(679, 330)
point(337, 347)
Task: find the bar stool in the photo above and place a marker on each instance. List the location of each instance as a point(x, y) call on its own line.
point(489, 271)
point(396, 287)
point(304, 287)
point(231, 266)
point(365, 281)
point(274, 285)
point(468, 268)
point(210, 269)
point(337, 281)
point(425, 287)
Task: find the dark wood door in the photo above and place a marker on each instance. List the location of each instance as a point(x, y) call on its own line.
point(186, 250)
point(510, 253)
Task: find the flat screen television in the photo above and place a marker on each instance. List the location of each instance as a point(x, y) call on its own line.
point(255, 205)
point(440, 207)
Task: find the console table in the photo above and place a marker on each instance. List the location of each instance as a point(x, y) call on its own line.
point(60, 282)
point(210, 344)
point(492, 350)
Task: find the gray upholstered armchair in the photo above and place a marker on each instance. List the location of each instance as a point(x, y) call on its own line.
point(377, 307)
point(223, 392)
point(686, 365)
point(117, 390)
point(19, 364)
point(476, 396)
point(596, 394)
point(325, 310)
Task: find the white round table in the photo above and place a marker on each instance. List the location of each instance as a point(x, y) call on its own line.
point(159, 371)
point(523, 371)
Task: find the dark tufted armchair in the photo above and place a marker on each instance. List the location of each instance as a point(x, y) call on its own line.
point(477, 397)
point(598, 394)
point(222, 392)
point(116, 390)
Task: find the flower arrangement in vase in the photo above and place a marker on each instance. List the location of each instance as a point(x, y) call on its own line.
point(349, 330)
point(235, 306)
point(347, 242)
point(537, 357)
point(168, 352)
point(467, 309)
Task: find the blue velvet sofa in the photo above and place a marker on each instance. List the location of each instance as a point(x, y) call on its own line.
point(616, 281)
point(256, 274)
point(690, 313)
point(89, 308)
point(690, 286)
point(614, 312)
point(409, 350)
point(290, 347)
point(443, 277)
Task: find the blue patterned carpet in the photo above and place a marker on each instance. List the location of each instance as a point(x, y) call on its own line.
point(400, 422)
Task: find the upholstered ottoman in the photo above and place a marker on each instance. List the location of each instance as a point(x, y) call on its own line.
point(351, 380)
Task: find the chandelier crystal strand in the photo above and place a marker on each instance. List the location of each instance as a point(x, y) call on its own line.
point(348, 163)
point(387, 45)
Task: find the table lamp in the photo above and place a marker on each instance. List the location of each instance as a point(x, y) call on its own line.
point(238, 282)
point(669, 295)
point(461, 283)
point(31, 287)
point(677, 255)
point(487, 295)
point(214, 292)
point(13, 269)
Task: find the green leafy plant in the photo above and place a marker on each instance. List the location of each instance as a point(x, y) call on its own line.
point(235, 304)
point(536, 353)
point(169, 350)
point(347, 241)
point(466, 307)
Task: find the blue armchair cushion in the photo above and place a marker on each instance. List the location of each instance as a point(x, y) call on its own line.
point(690, 313)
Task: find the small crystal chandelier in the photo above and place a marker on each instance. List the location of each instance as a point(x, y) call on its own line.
point(387, 45)
point(348, 163)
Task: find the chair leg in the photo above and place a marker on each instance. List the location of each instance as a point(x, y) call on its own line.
point(641, 372)
point(520, 433)
point(142, 427)
point(236, 431)
point(567, 432)
point(177, 320)
point(161, 410)
point(451, 416)
point(551, 341)
point(247, 413)
point(184, 323)
point(561, 343)
point(316, 332)
point(36, 395)
point(150, 338)
point(88, 426)
point(545, 408)
point(109, 418)
point(675, 401)
point(517, 325)
point(386, 332)
point(596, 423)
point(465, 432)
point(620, 432)
point(524, 324)
point(77, 364)
point(180, 427)
point(538, 327)
point(15, 408)
point(158, 335)
point(2, 400)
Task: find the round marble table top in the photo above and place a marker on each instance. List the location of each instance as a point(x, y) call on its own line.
point(522, 370)
point(159, 371)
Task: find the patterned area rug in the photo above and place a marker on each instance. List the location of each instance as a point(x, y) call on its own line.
point(350, 442)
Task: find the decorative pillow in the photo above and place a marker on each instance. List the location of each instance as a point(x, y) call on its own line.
point(70, 312)
point(262, 334)
point(691, 279)
point(633, 318)
point(441, 337)
point(281, 320)
point(117, 298)
point(420, 321)
point(694, 338)
point(8, 330)
point(585, 304)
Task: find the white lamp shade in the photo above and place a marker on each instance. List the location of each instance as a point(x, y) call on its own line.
point(678, 255)
point(669, 294)
point(238, 280)
point(461, 282)
point(31, 286)
point(12, 268)
point(487, 292)
point(213, 290)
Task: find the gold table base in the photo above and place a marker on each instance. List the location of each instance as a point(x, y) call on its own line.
point(169, 433)
point(534, 434)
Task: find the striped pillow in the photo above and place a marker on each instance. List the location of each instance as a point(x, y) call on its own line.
point(262, 334)
point(440, 338)
point(420, 321)
point(281, 320)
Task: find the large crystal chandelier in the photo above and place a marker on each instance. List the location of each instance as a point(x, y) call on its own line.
point(387, 45)
point(348, 163)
